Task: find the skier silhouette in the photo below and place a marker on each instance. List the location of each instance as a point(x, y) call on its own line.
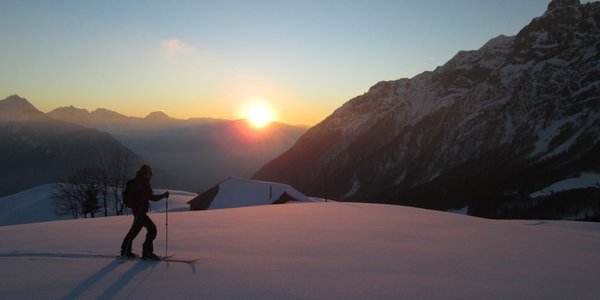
point(141, 193)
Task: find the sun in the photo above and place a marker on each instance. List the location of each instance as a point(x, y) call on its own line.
point(259, 115)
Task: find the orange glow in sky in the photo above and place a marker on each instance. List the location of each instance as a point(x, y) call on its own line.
point(195, 59)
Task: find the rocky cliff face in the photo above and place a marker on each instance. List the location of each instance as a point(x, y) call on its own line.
point(484, 130)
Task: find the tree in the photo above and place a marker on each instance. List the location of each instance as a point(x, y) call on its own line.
point(101, 176)
point(90, 202)
point(119, 170)
point(65, 199)
point(88, 181)
point(73, 194)
point(104, 178)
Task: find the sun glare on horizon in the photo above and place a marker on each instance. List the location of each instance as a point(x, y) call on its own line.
point(259, 115)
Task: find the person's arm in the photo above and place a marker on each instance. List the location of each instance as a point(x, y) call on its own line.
point(149, 194)
point(160, 196)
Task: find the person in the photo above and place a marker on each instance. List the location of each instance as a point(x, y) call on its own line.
point(141, 193)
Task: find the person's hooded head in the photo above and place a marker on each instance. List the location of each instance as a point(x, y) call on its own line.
point(145, 172)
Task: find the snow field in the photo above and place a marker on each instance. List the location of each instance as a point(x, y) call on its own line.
point(307, 251)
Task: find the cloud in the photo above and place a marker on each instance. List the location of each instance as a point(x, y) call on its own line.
point(176, 48)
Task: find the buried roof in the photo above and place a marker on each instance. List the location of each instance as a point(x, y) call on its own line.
point(238, 192)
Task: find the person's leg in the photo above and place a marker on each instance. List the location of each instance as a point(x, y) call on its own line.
point(135, 229)
point(150, 235)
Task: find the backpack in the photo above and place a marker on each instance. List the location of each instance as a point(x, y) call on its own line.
point(128, 197)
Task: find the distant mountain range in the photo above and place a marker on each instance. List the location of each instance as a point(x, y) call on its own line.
point(37, 149)
point(198, 152)
point(484, 132)
point(192, 154)
point(108, 120)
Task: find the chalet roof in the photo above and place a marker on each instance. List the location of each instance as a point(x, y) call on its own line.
point(239, 192)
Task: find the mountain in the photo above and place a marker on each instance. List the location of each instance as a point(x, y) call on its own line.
point(204, 153)
point(158, 116)
point(485, 131)
point(17, 109)
point(100, 118)
point(72, 114)
point(36, 149)
point(112, 121)
point(199, 152)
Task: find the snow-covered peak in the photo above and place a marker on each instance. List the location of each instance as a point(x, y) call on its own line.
point(556, 4)
point(565, 24)
point(563, 6)
point(500, 41)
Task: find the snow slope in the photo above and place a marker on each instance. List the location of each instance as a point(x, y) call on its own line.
point(307, 251)
point(36, 205)
point(29, 206)
point(584, 180)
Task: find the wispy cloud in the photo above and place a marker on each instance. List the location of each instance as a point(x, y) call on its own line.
point(176, 48)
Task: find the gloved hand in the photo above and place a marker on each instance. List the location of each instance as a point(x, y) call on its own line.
point(165, 194)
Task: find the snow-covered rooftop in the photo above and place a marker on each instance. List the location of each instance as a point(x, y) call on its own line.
point(239, 192)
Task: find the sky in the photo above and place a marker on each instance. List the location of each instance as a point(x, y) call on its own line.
point(302, 59)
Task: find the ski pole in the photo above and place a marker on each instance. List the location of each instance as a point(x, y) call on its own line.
point(167, 226)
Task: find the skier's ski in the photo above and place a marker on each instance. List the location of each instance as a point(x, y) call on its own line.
point(171, 258)
point(158, 258)
point(123, 259)
point(181, 260)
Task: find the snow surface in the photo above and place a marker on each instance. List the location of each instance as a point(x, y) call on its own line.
point(307, 251)
point(584, 180)
point(29, 206)
point(36, 205)
point(463, 211)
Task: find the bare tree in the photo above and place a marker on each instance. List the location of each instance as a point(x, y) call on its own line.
point(86, 180)
point(66, 199)
point(105, 178)
point(119, 171)
point(101, 178)
point(73, 195)
point(90, 202)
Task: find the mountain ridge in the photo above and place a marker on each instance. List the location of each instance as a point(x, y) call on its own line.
point(513, 116)
point(105, 118)
point(191, 154)
point(37, 149)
